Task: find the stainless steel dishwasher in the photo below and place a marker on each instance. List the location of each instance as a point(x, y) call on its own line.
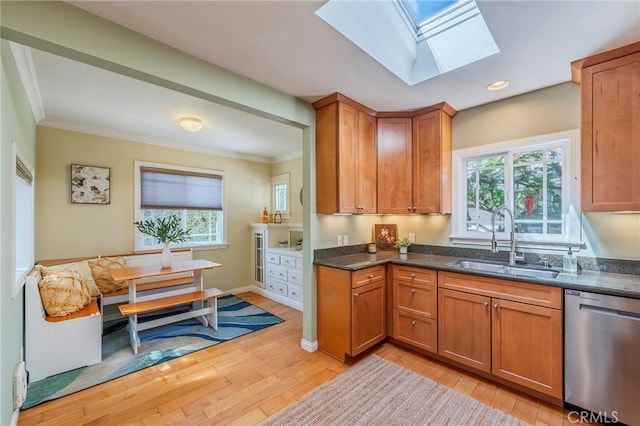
point(602, 355)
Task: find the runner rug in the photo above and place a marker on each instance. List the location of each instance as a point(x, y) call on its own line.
point(378, 392)
point(236, 317)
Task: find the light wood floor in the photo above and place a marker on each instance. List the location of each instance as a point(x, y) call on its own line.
point(245, 381)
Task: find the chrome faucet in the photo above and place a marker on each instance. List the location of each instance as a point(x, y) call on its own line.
point(494, 243)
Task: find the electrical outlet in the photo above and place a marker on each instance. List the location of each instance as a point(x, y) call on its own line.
point(345, 240)
point(412, 237)
point(339, 240)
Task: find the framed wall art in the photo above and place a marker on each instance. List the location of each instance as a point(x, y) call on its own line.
point(385, 235)
point(90, 184)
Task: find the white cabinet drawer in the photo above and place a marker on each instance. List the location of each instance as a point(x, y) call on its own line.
point(277, 287)
point(288, 261)
point(277, 272)
point(295, 292)
point(273, 258)
point(295, 277)
point(299, 264)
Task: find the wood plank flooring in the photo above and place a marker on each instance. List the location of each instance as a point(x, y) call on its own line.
point(247, 380)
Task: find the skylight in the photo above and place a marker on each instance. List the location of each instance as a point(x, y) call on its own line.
point(422, 11)
point(414, 39)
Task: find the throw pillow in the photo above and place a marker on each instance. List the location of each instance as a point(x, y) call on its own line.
point(63, 293)
point(100, 270)
point(81, 268)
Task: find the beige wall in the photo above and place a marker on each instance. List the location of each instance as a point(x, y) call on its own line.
point(294, 168)
point(67, 230)
point(543, 111)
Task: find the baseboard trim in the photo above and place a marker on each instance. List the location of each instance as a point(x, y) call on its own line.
point(309, 346)
point(269, 295)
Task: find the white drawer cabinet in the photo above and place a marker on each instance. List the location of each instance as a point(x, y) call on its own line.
point(284, 275)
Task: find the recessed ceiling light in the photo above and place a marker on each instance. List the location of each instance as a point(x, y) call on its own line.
point(191, 124)
point(497, 85)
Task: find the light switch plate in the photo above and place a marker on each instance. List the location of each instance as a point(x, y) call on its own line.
point(412, 237)
point(345, 240)
point(339, 240)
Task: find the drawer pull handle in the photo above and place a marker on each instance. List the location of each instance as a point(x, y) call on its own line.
point(413, 323)
point(356, 294)
point(370, 276)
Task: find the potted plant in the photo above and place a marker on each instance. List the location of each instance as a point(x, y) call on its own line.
point(166, 230)
point(402, 245)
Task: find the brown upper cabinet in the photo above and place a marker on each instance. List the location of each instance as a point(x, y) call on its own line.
point(610, 129)
point(345, 156)
point(414, 160)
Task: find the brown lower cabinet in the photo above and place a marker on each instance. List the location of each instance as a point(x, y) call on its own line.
point(509, 329)
point(351, 310)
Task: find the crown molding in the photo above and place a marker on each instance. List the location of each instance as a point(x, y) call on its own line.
point(26, 70)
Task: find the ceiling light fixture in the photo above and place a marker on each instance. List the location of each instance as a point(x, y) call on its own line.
point(191, 124)
point(497, 85)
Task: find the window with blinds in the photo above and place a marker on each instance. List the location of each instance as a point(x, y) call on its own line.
point(194, 195)
point(22, 221)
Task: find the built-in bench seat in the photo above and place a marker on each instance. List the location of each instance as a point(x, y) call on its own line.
point(57, 344)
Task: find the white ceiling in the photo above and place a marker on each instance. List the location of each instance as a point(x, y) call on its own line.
point(285, 45)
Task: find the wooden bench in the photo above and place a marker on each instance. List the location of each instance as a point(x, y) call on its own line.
point(136, 277)
point(54, 345)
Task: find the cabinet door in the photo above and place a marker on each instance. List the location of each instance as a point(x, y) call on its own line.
point(432, 163)
point(346, 165)
point(527, 345)
point(367, 316)
point(611, 135)
point(394, 166)
point(366, 188)
point(464, 328)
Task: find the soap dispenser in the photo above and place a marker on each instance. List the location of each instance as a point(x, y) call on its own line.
point(570, 262)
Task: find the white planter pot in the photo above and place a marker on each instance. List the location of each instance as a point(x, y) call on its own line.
point(403, 250)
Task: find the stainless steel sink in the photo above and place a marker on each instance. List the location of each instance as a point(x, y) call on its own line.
point(499, 268)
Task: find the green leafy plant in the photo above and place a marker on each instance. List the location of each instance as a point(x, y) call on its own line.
point(167, 229)
point(402, 243)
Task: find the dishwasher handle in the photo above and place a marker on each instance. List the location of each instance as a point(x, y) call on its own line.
point(611, 312)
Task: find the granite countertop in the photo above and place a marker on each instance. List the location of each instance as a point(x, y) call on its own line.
point(598, 282)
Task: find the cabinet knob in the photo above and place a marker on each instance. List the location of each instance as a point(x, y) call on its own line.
point(409, 209)
point(413, 323)
point(370, 276)
point(414, 208)
point(485, 304)
point(413, 291)
point(495, 306)
point(413, 276)
point(356, 294)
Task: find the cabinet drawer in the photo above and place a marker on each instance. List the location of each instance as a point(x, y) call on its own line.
point(532, 294)
point(277, 287)
point(418, 299)
point(288, 261)
point(277, 272)
point(273, 258)
point(295, 292)
point(415, 275)
point(417, 331)
point(295, 277)
point(366, 276)
point(299, 263)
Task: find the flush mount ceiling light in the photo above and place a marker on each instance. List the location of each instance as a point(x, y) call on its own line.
point(497, 85)
point(191, 124)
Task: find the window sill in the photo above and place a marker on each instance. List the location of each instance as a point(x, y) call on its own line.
point(194, 247)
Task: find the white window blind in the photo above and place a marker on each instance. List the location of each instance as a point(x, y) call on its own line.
point(177, 189)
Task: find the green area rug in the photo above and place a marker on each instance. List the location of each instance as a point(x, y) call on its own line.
point(236, 317)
